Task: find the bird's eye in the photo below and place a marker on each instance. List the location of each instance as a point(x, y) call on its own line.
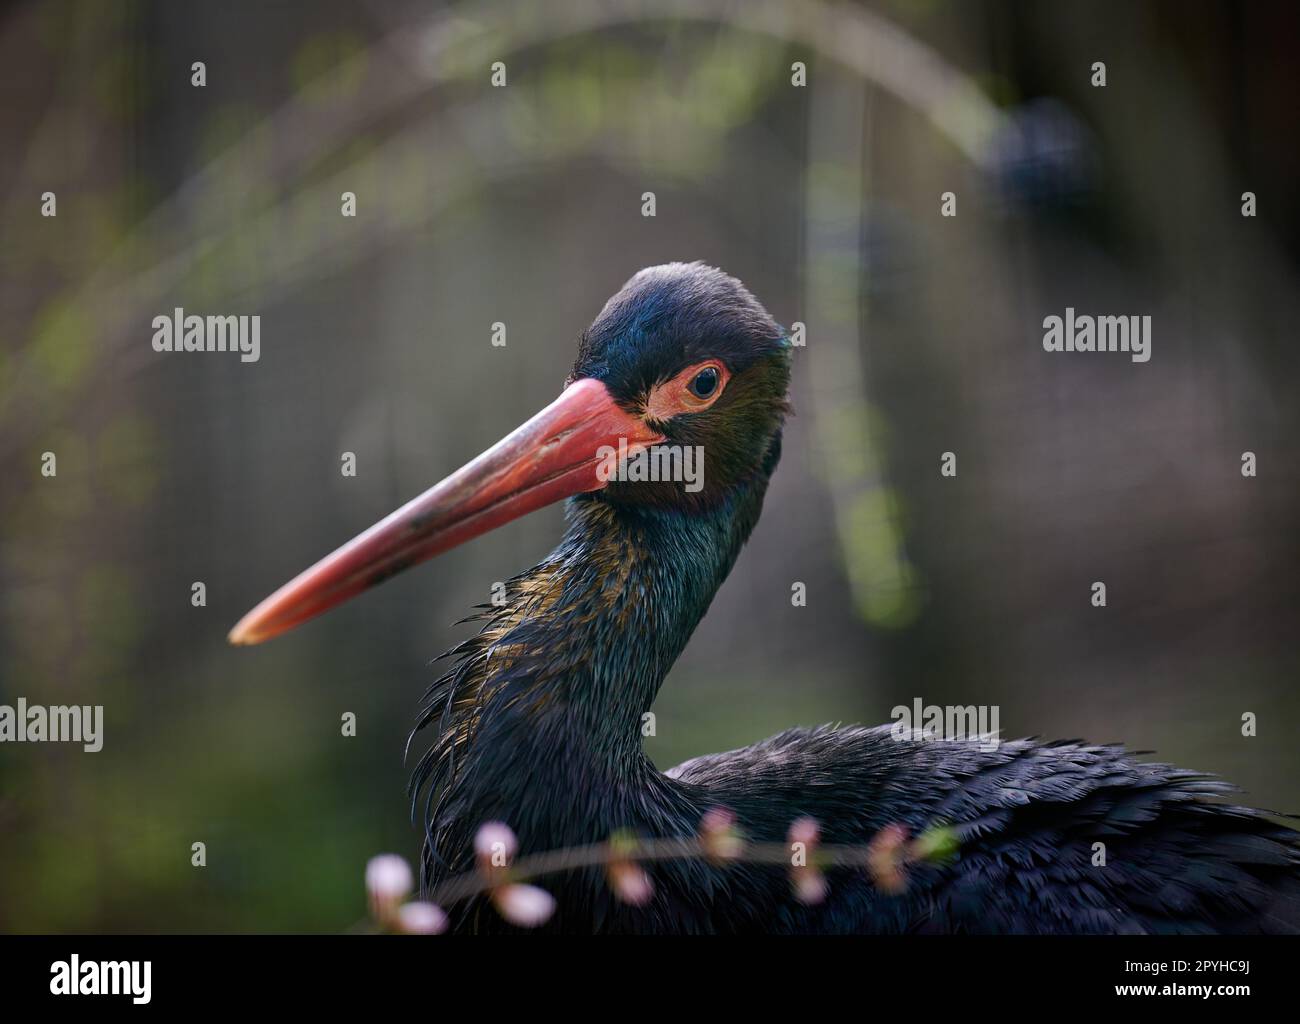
point(704, 383)
point(692, 390)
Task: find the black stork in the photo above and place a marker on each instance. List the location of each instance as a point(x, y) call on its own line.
point(538, 721)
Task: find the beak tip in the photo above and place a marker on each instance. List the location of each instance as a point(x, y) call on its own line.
point(240, 636)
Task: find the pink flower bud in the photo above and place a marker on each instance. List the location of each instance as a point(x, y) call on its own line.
point(810, 886)
point(886, 855)
point(806, 877)
point(421, 919)
point(524, 905)
point(388, 880)
point(719, 837)
point(495, 846)
point(805, 830)
point(630, 883)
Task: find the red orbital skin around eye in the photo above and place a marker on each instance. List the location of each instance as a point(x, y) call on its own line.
point(673, 397)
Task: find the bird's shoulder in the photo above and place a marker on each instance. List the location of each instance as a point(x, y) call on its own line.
point(836, 755)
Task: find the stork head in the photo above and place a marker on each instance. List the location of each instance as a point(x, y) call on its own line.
point(688, 352)
point(676, 400)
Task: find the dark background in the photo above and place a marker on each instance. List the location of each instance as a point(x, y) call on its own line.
point(523, 205)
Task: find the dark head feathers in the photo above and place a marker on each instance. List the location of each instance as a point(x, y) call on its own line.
point(668, 317)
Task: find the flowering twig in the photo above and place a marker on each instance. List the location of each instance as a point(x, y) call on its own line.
point(504, 880)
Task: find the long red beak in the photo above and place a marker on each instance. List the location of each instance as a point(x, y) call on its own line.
point(552, 456)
